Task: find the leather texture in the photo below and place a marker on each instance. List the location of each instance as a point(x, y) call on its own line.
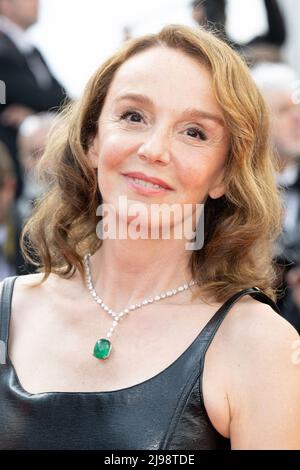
point(163, 412)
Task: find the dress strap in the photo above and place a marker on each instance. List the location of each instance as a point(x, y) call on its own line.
point(5, 311)
point(212, 326)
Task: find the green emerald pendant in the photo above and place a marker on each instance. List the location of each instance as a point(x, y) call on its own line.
point(102, 348)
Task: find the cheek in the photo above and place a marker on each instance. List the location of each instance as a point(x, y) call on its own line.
point(197, 176)
point(193, 183)
point(280, 135)
point(115, 147)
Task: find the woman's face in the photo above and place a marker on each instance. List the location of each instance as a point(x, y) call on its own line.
point(160, 118)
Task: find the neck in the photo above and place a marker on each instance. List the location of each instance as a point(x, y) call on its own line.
point(125, 272)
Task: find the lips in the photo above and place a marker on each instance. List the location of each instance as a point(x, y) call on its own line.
point(150, 179)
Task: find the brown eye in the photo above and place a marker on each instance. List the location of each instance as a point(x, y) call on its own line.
point(195, 132)
point(134, 116)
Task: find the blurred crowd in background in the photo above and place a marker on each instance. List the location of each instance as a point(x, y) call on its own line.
point(30, 97)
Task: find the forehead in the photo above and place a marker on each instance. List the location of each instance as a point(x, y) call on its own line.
point(165, 75)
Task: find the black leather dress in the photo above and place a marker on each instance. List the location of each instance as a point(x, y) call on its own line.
point(163, 412)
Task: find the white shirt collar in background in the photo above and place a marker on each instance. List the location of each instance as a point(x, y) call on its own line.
point(3, 234)
point(289, 175)
point(16, 34)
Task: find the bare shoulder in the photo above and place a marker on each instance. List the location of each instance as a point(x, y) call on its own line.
point(264, 387)
point(27, 284)
point(254, 332)
point(26, 288)
point(253, 322)
point(23, 281)
point(30, 292)
point(258, 343)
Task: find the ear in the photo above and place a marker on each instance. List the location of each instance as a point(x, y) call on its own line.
point(218, 189)
point(93, 152)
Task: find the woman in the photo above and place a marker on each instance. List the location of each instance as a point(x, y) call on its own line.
point(177, 108)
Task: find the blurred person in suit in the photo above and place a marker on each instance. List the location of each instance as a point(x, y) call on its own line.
point(293, 278)
point(260, 48)
point(11, 260)
point(32, 138)
point(281, 89)
point(30, 85)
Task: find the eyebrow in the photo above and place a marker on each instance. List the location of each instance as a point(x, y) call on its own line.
point(194, 112)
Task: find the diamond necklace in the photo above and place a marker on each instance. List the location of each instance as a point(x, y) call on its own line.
point(103, 346)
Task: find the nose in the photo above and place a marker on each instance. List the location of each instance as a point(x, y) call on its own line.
point(155, 147)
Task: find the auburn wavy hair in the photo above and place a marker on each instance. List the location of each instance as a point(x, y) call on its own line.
point(240, 227)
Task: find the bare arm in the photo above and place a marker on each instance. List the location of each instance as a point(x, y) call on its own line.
point(264, 394)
